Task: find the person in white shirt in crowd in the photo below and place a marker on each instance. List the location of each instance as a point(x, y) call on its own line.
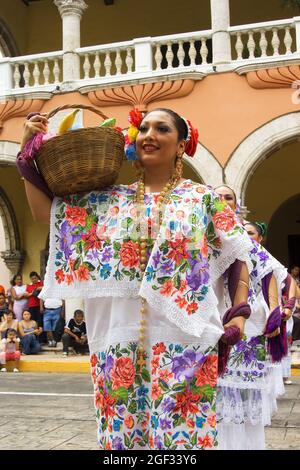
point(19, 296)
point(52, 310)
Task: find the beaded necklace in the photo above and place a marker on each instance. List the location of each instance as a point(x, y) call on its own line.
point(146, 242)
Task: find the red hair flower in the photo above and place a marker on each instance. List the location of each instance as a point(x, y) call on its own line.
point(192, 142)
point(135, 117)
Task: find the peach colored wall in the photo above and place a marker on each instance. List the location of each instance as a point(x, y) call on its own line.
point(224, 108)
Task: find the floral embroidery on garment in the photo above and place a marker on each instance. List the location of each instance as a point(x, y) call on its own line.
point(94, 247)
point(169, 403)
point(247, 361)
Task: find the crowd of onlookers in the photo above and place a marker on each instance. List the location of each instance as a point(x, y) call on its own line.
point(28, 322)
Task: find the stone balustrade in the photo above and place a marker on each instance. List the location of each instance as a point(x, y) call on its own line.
point(38, 71)
point(272, 39)
point(152, 57)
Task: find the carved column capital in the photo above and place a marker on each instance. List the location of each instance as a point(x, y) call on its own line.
point(71, 7)
point(13, 259)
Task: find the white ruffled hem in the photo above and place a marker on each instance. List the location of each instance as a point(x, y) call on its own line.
point(239, 406)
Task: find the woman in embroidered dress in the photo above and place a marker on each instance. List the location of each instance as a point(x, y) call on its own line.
point(148, 258)
point(294, 270)
point(257, 231)
point(243, 393)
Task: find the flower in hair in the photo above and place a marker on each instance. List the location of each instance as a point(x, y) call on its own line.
point(132, 133)
point(135, 118)
point(192, 139)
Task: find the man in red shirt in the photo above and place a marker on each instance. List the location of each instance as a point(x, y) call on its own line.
point(2, 290)
point(34, 303)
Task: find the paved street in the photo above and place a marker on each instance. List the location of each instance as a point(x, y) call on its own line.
point(52, 420)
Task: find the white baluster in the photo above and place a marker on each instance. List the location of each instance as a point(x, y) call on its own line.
point(118, 62)
point(263, 43)
point(275, 41)
point(26, 74)
point(192, 52)
point(46, 73)
point(181, 54)
point(97, 65)
point(169, 55)
point(36, 74)
point(203, 51)
point(158, 57)
point(56, 71)
point(86, 67)
point(17, 76)
point(129, 60)
point(251, 45)
point(288, 41)
point(239, 46)
point(107, 64)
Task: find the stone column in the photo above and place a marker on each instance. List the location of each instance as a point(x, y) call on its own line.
point(13, 259)
point(220, 22)
point(244, 212)
point(71, 12)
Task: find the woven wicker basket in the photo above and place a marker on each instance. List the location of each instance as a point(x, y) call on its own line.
point(81, 160)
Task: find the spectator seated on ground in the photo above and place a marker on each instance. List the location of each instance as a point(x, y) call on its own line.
point(8, 321)
point(10, 349)
point(29, 332)
point(75, 334)
point(3, 305)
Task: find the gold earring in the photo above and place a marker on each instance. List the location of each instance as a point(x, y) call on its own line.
point(139, 169)
point(179, 167)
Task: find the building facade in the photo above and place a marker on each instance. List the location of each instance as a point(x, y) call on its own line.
point(232, 70)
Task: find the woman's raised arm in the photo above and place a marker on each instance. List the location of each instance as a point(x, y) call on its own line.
point(39, 203)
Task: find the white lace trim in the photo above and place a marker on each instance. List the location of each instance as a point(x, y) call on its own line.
point(154, 335)
point(242, 406)
point(237, 383)
point(198, 324)
point(239, 249)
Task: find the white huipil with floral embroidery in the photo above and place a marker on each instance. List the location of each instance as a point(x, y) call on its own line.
point(244, 400)
point(169, 402)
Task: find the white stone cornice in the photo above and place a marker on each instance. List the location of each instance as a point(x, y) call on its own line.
point(71, 7)
point(8, 152)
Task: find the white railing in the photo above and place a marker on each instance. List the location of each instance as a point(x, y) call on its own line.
point(37, 70)
point(150, 57)
point(181, 51)
point(263, 40)
point(115, 59)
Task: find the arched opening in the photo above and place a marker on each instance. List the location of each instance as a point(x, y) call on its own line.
point(11, 255)
point(272, 194)
point(284, 232)
point(259, 145)
point(8, 45)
